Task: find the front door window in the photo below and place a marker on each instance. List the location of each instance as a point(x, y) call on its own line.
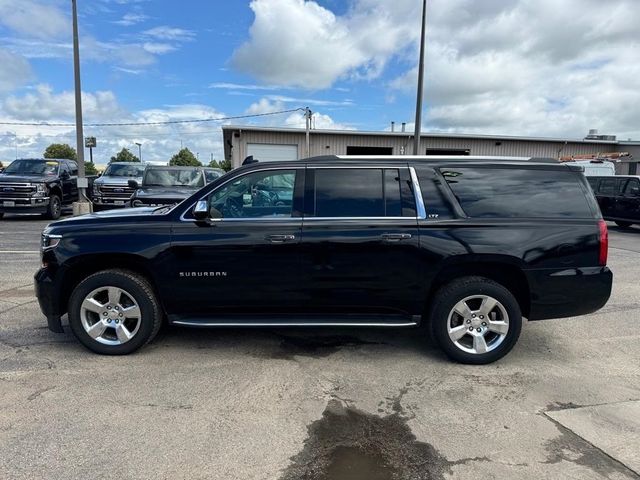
point(255, 195)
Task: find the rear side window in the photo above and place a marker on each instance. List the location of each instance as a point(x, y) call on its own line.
point(351, 192)
point(610, 186)
point(593, 181)
point(632, 188)
point(512, 193)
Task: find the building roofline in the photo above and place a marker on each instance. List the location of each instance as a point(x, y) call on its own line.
point(426, 134)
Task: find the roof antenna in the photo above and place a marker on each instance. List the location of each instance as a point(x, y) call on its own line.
point(249, 160)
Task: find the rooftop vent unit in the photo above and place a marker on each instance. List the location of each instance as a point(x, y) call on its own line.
point(593, 135)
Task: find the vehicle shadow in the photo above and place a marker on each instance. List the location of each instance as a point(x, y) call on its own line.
point(288, 343)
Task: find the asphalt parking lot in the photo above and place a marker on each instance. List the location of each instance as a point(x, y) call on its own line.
point(294, 404)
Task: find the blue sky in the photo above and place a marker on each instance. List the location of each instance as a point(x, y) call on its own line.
point(513, 67)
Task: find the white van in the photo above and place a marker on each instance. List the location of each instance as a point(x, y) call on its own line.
point(595, 168)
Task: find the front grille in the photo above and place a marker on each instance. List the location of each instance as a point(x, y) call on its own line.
point(115, 191)
point(16, 190)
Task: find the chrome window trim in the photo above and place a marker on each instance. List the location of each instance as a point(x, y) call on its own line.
point(417, 192)
point(359, 218)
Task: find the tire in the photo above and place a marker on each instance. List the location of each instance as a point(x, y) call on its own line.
point(499, 326)
point(623, 224)
point(54, 209)
point(114, 332)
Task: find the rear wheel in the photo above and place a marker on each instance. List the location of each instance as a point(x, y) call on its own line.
point(114, 312)
point(54, 209)
point(475, 320)
point(623, 224)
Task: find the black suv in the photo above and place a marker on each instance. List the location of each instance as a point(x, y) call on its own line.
point(39, 185)
point(467, 246)
point(618, 197)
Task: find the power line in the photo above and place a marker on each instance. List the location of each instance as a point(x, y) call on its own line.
point(166, 122)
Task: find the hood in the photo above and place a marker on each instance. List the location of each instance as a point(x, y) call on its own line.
point(120, 181)
point(107, 215)
point(4, 178)
point(164, 192)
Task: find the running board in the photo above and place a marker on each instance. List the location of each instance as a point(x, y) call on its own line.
point(308, 321)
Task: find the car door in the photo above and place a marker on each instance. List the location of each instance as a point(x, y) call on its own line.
point(70, 183)
point(606, 196)
point(628, 203)
point(360, 241)
point(245, 260)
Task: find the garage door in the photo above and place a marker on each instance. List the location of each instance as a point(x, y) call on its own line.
point(264, 152)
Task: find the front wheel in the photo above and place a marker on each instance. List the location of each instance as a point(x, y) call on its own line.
point(475, 320)
point(54, 209)
point(114, 312)
point(623, 224)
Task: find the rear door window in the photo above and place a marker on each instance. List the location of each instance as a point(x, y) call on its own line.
point(357, 192)
point(610, 186)
point(511, 193)
point(633, 188)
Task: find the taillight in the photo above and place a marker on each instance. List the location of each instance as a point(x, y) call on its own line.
point(603, 238)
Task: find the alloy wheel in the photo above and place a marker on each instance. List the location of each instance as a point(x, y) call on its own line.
point(110, 315)
point(478, 324)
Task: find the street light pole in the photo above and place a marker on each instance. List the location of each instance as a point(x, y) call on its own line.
point(139, 151)
point(82, 205)
point(416, 135)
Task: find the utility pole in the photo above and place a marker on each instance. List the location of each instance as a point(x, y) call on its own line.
point(416, 136)
point(307, 117)
point(83, 205)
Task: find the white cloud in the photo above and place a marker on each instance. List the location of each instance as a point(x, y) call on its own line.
point(158, 48)
point(300, 43)
point(131, 18)
point(532, 68)
point(34, 19)
point(44, 104)
point(15, 71)
point(244, 86)
point(165, 32)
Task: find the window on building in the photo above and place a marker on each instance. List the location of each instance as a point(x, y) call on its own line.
point(449, 151)
point(509, 193)
point(354, 150)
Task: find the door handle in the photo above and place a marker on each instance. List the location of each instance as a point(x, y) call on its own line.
point(279, 238)
point(395, 237)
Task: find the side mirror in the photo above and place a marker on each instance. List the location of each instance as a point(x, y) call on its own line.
point(200, 211)
point(133, 184)
point(65, 175)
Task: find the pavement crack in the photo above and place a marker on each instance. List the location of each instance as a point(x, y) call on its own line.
point(571, 447)
point(39, 392)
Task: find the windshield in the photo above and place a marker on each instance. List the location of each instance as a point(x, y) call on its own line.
point(172, 177)
point(124, 170)
point(211, 175)
point(32, 167)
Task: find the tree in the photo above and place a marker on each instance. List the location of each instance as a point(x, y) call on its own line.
point(184, 158)
point(60, 150)
point(124, 155)
point(222, 164)
point(90, 169)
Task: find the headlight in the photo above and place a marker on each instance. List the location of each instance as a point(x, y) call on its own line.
point(41, 189)
point(50, 241)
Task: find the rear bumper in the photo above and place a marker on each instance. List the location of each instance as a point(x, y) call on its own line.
point(568, 293)
point(47, 295)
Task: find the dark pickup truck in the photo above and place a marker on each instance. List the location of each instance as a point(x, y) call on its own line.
point(42, 185)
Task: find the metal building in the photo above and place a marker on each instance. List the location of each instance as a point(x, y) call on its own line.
point(275, 143)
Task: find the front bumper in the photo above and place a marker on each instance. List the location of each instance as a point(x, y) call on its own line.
point(47, 294)
point(24, 205)
point(568, 293)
